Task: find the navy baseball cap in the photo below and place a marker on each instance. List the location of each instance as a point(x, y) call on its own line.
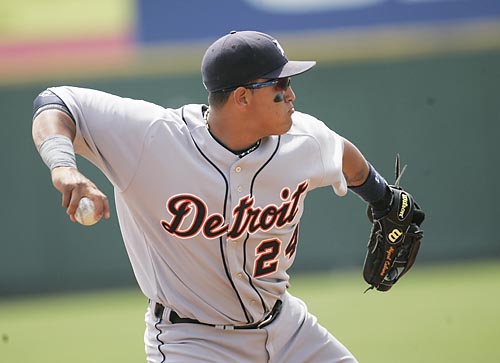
point(241, 57)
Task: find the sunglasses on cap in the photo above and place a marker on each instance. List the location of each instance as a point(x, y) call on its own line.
point(281, 85)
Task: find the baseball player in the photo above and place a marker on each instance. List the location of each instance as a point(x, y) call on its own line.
point(209, 201)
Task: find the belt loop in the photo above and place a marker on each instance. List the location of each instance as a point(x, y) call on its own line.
point(158, 310)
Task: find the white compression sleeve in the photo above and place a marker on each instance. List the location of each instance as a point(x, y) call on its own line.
point(57, 151)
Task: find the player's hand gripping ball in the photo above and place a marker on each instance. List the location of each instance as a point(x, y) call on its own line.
point(84, 214)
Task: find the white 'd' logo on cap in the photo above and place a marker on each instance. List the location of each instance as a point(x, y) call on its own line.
point(279, 47)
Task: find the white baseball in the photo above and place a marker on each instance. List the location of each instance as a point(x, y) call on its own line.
point(85, 212)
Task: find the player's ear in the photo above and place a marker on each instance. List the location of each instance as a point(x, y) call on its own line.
point(240, 96)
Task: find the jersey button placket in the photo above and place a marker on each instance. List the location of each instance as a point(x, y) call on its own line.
point(237, 169)
point(235, 254)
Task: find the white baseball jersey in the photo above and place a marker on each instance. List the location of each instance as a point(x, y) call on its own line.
point(209, 234)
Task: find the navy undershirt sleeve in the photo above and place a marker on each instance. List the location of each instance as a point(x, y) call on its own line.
point(49, 100)
point(374, 190)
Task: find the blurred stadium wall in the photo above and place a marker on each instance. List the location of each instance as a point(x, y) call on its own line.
point(418, 77)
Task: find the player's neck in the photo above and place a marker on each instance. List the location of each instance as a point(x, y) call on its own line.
point(227, 130)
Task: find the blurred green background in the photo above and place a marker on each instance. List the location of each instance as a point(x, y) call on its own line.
point(67, 292)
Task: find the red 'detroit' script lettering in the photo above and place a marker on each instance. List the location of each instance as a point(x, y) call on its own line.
point(247, 218)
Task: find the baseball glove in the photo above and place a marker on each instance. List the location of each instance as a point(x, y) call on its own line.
point(394, 239)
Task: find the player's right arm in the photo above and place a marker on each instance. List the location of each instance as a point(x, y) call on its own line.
point(53, 133)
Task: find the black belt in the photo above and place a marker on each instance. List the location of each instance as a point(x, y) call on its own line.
point(176, 319)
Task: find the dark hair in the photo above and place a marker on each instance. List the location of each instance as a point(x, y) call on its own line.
point(218, 99)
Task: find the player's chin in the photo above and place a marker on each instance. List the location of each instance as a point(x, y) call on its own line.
point(285, 127)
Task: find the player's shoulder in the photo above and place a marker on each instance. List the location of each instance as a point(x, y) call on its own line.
point(193, 115)
point(308, 129)
point(135, 109)
point(98, 99)
point(306, 124)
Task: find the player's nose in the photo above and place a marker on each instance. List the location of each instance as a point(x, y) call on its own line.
point(289, 95)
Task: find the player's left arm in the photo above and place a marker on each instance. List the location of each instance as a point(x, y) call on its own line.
point(354, 165)
point(364, 180)
point(396, 234)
